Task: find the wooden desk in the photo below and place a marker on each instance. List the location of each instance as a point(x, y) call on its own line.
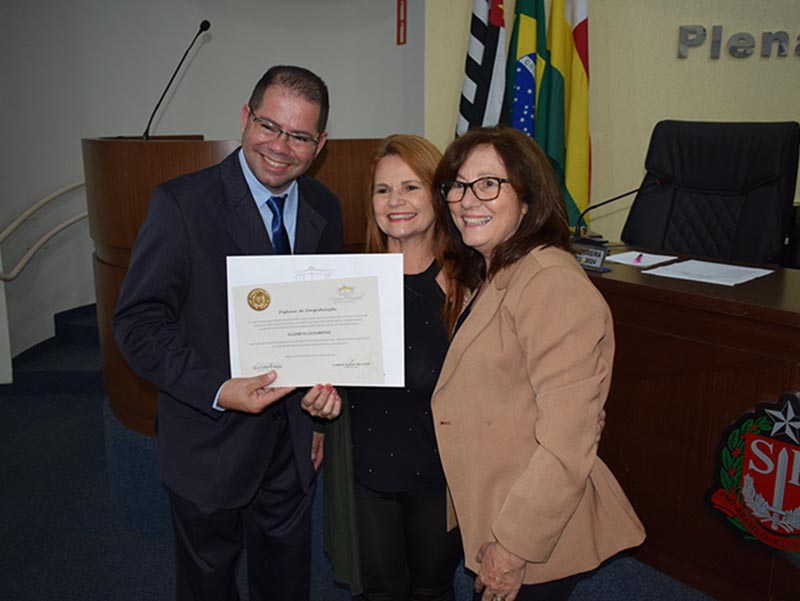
point(691, 358)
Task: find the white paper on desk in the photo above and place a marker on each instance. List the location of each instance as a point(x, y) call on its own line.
point(647, 259)
point(328, 318)
point(712, 273)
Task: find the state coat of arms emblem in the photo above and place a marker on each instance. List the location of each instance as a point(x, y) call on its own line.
point(757, 477)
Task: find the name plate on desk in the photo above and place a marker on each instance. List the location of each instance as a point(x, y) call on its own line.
point(590, 256)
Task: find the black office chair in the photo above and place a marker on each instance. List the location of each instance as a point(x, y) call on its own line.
point(717, 190)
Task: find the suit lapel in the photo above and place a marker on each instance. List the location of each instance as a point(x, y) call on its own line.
point(310, 224)
point(243, 222)
point(245, 225)
point(483, 312)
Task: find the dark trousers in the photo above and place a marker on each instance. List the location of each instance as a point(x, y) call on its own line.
point(405, 549)
point(555, 590)
point(275, 529)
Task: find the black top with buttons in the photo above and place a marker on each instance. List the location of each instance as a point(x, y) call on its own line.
point(394, 446)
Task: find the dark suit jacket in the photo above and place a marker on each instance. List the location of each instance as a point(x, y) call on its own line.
point(171, 326)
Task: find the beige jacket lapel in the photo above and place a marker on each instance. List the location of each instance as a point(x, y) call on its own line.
point(483, 312)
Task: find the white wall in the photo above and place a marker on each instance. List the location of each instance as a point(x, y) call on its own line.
point(637, 80)
point(86, 68)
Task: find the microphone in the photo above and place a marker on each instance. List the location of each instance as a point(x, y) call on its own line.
point(204, 26)
point(661, 180)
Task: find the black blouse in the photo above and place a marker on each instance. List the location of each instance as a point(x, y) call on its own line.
point(394, 446)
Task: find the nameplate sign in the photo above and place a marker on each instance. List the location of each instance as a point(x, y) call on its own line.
point(590, 256)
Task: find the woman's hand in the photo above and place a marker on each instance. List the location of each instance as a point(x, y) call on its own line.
point(501, 572)
point(322, 401)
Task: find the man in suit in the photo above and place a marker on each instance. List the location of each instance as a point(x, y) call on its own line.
point(235, 454)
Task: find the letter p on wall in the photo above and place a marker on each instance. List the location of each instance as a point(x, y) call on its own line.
point(688, 36)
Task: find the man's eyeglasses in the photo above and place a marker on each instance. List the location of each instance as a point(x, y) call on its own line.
point(269, 130)
point(484, 188)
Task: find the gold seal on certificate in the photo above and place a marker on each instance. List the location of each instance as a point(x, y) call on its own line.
point(258, 299)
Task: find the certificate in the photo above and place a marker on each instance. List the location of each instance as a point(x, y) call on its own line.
point(317, 318)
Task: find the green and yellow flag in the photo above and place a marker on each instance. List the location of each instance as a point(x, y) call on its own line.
point(527, 67)
point(548, 90)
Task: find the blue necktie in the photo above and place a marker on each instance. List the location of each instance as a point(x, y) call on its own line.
point(280, 239)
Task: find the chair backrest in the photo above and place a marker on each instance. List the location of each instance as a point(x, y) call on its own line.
point(728, 190)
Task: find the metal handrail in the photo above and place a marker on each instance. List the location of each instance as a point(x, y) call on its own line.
point(23, 262)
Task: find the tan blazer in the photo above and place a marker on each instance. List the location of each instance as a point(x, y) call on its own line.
point(516, 411)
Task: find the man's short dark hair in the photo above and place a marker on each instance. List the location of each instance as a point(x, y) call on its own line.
point(299, 80)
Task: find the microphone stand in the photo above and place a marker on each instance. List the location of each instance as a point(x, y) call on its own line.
point(582, 239)
point(204, 26)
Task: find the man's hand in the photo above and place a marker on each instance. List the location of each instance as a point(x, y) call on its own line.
point(322, 401)
point(251, 395)
point(317, 449)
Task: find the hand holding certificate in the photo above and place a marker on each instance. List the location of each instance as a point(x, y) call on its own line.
point(251, 395)
point(317, 318)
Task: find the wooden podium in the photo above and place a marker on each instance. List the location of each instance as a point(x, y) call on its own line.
point(121, 174)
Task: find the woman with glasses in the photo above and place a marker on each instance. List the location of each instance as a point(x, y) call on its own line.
point(399, 508)
point(518, 405)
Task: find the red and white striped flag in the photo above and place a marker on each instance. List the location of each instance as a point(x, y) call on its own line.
point(484, 74)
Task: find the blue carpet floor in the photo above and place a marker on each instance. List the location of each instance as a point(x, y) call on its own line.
point(83, 517)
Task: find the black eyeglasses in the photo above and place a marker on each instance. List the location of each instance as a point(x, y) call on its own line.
point(269, 130)
point(484, 188)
